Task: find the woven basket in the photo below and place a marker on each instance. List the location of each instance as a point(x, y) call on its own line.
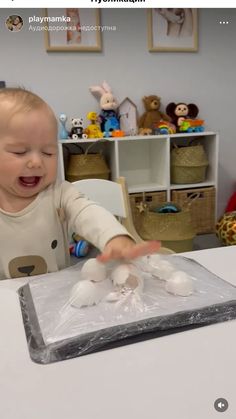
point(188, 164)
point(202, 209)
point(152, 200)
point(174, 230)
point(87, 166)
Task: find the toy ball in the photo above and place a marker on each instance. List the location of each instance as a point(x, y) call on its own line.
point(79, 249)
point(226, 228)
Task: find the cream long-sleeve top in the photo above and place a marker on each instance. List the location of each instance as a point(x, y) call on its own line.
point(35, 240)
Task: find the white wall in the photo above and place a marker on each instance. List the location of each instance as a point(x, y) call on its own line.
point(206, 77)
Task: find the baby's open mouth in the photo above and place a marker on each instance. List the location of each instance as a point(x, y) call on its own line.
point(29, 181)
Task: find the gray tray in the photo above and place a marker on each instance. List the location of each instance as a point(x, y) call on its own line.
point(56, 331)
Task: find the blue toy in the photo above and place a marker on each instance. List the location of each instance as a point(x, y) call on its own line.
point(63, 133)
point(79, 249)
point(167, 208)
point(111, 124)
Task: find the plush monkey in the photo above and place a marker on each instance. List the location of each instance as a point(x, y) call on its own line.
point(181, 111)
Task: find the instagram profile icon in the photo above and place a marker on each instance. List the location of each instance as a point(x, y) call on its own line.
point(14, 23)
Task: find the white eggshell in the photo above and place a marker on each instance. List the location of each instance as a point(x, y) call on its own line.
point(86, 293)
point(128, 277)
point(153, 260)
point(93, 270)
point(120, 274)
point(150, 262)
point(113, 296)
point(163, 269)
point(180, 284)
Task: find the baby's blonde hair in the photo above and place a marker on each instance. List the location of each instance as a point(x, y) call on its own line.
point(15, 100)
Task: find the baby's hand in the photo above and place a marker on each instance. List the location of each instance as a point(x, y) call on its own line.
point(123, 247)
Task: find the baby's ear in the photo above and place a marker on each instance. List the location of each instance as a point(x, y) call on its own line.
point(106, 87)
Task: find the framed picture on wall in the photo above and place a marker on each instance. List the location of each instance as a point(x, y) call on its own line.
point(173, 29)
point(72, 29)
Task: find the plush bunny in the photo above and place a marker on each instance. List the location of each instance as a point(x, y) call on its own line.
point(108, 116)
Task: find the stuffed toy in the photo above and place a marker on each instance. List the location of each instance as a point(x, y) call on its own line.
point(108, 116)
point(145, 131)
point(77, 130)
point(180, 112)
point(152, 114)
point(93, 130)
point(226, 228)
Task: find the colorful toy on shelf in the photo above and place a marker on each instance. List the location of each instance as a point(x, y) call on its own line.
point(111, 124)
point(63, 133)
point(152, 114)
point(192, 125)
point(164, 127)
point(108, 116)
point(145, 131)
point(181, 112)
point(77, 130)
point(118, 133)
point(93, 130)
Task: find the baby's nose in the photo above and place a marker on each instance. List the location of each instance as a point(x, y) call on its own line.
point(34, 161)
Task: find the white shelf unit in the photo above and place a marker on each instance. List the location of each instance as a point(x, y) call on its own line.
point(145, 160)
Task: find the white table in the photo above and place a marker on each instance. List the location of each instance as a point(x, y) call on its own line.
point(174, 377)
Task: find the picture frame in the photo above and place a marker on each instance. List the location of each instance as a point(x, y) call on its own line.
point(79, 30)
point(173, 30)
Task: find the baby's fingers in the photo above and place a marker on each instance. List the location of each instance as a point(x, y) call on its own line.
point(142, 249)
point(107, 255)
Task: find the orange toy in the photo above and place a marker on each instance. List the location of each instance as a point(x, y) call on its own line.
point(117, 133)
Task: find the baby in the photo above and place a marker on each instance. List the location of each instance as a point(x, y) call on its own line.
point(36, 212)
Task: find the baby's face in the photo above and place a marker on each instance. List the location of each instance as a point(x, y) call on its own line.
point(28, 154)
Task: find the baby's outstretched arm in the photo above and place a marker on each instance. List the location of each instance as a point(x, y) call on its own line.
point(123, 247)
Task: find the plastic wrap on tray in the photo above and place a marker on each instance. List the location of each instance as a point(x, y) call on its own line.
point(57, 330)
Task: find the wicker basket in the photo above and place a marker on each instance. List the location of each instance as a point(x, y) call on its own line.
point(174, 230)
point(202, 208)
point(87, 166)
point(188, 164)
point(152, 201)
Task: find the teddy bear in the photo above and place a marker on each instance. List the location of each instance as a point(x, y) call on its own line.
point(181, 111)
point(152, 114)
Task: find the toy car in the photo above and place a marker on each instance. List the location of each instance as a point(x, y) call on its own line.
point(192, 125)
